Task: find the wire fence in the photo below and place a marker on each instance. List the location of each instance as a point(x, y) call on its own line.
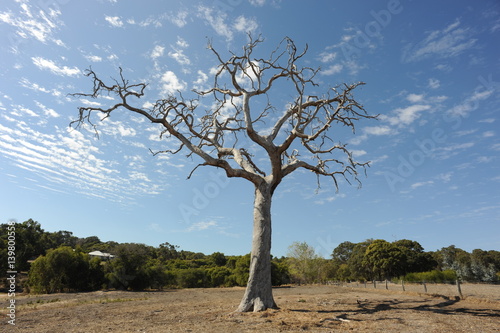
point(486, 291)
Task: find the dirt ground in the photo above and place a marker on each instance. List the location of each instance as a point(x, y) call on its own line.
point(305, 308)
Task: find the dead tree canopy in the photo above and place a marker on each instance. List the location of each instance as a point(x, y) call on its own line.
point(299, 137)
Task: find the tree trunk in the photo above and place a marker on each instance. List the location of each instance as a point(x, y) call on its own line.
point(259, 294)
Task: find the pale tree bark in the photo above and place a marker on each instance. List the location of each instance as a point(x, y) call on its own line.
point(258, 295)
point(216, 136)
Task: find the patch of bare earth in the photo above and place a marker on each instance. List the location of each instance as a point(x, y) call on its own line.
point(306, 308)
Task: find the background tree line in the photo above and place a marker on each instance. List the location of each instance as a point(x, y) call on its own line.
point(59, 262)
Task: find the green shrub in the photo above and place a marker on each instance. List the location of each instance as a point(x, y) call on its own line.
point(192, 278)
point(436, 276)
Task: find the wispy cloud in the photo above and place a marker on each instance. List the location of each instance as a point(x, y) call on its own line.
point(448, 42)
point(38, 24)
point(332, 70)
point(179, 18)
point(217, 20)
point(36, 87)
point(178, 54)
point(257, 3)
point(50, 65)
point(157, 52)
point(406, 116)
point(420, 184)
point(244, 24)
point(434, 83)
point(372, 130)
point(200, 226)
point(451, 150)
point(170, 83)
point(114, 21)
point(69, 161)
point(93, 58)
point(470, 103)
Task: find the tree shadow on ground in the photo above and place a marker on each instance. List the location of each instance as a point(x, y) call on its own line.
point(446, 307)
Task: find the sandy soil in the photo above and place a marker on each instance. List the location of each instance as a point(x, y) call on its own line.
point(306, 308)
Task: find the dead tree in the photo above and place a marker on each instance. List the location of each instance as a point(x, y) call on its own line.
point(298, 137)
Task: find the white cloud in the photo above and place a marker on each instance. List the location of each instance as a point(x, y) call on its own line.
point(66, 160)
point(244, 24)
point(36, 87)
point(48, 111)
point(451, 150)
point(372, 130)
point(38, 24)
point(179, 19)
point(257, 3)
point(182, 43)
point(449, 42)
point(487, 120)
point(50, 65)
point(179, 56)
point(199, 226)
point(358, 153)
point(434, 83)
point(114, 21)
point(406, 116)
point(93, 58)
point(445, 177)
point(216, 20)
point(332, 70)
point(420, 184)
point(488, 134)
point(171, 83)
point(470, 104)
point(157, 51)
point(414, 98)
point(378, 130)
point(484, 159)
point(200, 81)
point(327, 56)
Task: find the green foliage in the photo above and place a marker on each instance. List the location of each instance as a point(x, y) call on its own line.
point(128, 270)
point(218, 259)
point(302, 262)
point(193, 278)
point(383, 259)
point(64, 269)
point(280, 273)
point(447, 276)
point(63, 264)
point(219, 276)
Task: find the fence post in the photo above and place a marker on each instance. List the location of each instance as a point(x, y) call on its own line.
point(459, 289)
point(386, 285)
point(403, 284)
point(365, 284)
point(425, 287)
point(374, 284)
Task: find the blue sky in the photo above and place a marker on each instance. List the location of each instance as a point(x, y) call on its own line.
point(432, 72)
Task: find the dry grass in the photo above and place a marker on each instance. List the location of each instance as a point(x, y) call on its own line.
point(306, 308)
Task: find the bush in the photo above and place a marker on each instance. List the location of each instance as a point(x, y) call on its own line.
point(436, 276)
point(64, 269)
point(192, 278)
point(219, 276)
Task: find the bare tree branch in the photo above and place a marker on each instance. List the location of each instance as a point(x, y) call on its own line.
point(215, 136)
